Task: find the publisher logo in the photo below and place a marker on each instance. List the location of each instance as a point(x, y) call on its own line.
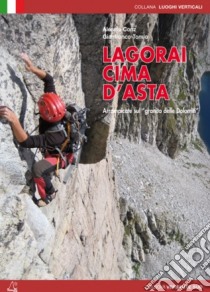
point(12, 287)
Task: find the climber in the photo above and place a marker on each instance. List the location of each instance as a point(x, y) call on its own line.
point(51, 136)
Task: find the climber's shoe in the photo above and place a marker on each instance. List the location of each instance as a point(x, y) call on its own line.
point(38, 202)
point(44, 202)
point(41, 203)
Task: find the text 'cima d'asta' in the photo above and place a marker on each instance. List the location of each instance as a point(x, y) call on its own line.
point(122, 67)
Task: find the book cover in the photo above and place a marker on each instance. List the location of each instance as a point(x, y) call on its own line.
point(133, 210)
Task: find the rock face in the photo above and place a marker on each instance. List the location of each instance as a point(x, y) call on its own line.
point(110, 221)
point(170, 132)
point(75, 238)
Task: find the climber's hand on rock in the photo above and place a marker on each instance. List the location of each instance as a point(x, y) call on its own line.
point(28, 63)
point(31, 67)
point(7, 114)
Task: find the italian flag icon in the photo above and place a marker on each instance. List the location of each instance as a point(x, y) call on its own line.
point(11, 6)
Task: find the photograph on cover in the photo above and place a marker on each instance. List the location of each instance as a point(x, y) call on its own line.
point(104, 147)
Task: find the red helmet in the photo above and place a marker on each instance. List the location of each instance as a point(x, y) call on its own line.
point(51, 107)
